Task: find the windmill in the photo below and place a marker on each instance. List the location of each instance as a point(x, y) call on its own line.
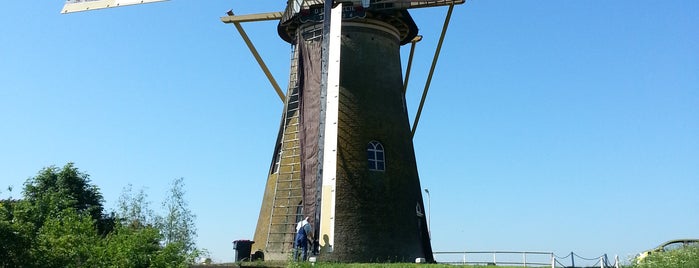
point(344, 153)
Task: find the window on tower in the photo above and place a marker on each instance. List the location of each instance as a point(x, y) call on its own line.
point(375, 156)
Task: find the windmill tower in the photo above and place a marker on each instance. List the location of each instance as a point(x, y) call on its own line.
point(344, 153)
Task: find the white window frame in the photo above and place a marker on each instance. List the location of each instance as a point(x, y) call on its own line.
point(376, 163)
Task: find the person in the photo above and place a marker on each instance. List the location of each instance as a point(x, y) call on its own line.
point(301, 224)
point(303, 233)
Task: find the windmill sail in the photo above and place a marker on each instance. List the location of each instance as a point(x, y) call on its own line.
point(86, 5)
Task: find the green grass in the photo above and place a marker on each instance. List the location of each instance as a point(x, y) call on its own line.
point(681, 258)
point(388, 265)
point(360, 265)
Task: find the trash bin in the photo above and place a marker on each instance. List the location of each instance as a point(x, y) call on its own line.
point(242, 249)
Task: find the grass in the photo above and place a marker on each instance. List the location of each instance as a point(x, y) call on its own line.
point(681, 258)
point(362, 265)
point(387, 265)
point(395, 265)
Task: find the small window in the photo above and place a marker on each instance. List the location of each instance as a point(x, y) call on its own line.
point(375, 156)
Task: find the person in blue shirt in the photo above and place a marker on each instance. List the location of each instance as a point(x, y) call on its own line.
point(303, 235)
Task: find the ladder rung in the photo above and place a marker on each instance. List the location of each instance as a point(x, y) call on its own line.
point(293, 140)
point(282, 198)
point(285, 216)
point(289, 197)
point(293, 180)
point(289, 223)
point(291, 189)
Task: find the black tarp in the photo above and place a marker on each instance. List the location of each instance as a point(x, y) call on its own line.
point(309, 91)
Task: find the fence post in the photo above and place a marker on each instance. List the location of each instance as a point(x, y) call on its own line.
point(553, 261)
point(524, 256)
point(494, 260)
point(572, 259)
point(601, 262)
point(616, 261)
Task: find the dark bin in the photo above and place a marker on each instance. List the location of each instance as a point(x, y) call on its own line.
point(242, 249)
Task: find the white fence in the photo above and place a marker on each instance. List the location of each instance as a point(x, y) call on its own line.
point(520, 258)
point(524, 258)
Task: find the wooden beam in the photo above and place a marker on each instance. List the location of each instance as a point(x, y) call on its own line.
point(410, 61)
point(252, 17)
point(259, 60)
point(434, 64)
point(406, 4)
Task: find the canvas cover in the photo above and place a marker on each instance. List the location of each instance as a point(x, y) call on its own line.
point(309, 90)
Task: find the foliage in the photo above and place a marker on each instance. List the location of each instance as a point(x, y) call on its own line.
point(54, 190)
point(178, 225)
point(129, 246)
point(14, 237)
point(66, 240)
point(60, 222)
point(687, 257)
point(134, 209)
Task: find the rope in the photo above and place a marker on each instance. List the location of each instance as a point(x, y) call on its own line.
point(592, 259)
point(561, 264)
point(559, 257)
point(602, 258)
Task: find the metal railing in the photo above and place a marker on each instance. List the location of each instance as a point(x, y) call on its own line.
point(523, 258)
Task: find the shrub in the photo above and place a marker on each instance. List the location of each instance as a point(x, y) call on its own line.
point(687, 257)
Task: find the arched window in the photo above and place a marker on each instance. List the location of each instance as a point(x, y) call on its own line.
point(375, 156)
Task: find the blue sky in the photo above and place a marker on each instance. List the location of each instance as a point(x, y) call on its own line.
point(550, 125)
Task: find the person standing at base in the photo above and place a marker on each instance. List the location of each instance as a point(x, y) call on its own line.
point(303, 236)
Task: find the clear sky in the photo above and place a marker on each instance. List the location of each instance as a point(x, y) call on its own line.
point(550, 125)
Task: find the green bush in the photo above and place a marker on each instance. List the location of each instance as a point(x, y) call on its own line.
point(60, 222)
point(681, 258)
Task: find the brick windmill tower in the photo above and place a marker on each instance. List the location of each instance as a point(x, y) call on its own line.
point(344, 153)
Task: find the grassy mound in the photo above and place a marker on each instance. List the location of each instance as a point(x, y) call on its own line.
point(681, 258)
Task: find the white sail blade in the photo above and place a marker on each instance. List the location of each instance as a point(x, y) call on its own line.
point(86, 5)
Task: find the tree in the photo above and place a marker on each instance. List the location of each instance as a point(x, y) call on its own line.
point(133, 209)
point(67, 239)
point(14, 236)
point(130, 246)
point(177, 226)
point(54, 190)
point(60, 222)
point(134, 240)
